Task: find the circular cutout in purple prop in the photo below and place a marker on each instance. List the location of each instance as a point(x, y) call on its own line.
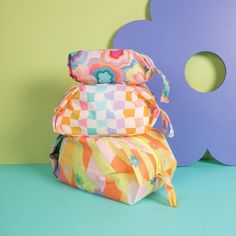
point(205, 72)
point(178, 30)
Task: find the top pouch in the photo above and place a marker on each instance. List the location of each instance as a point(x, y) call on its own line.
point(114, 66)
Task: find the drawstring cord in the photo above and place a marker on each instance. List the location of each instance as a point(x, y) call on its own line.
point(164, 176)
point(167, 127)
point(166, 122)
point(166, 86)
point(71, 91)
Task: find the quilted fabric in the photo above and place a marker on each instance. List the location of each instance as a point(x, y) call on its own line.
point(108, 109)
point(114, 66)
point(124, 169)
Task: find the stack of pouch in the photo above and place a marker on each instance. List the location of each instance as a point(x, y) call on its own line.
point(106, 143)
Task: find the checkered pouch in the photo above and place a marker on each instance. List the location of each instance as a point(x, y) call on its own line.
point(108, 110)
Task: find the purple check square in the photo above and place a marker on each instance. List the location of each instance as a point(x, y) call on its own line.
point(118, 105)
point(110, 114)
point(110, 95)
point(111, 131)
point(120, 123)
point(120, 87)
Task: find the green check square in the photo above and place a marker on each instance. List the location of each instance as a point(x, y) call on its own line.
point(102, 123)
point(101, 105)
point(101, 88)
point(92, 115)
point(90, 97)
point(92, 131)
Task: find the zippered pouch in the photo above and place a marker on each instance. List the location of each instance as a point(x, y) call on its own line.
point(108, 110)
point(124, 169)
point(114, 66)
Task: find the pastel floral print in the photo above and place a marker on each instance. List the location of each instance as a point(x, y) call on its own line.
point(77, 58)
point(105, 73)
point(120, 65)
point(104, 76)
point(116, 53)
point(116, 57)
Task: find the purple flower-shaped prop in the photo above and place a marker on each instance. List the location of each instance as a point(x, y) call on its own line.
point(177, 31)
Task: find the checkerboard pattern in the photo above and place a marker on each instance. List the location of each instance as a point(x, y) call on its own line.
point(106, 110)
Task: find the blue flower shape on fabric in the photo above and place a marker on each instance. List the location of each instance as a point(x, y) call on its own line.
point(104, 76)
point(178, 30)
point(134, 161)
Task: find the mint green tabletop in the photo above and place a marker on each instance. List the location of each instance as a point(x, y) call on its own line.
point(34, 203)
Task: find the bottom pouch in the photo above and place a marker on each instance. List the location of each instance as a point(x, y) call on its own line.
point(125, 169)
